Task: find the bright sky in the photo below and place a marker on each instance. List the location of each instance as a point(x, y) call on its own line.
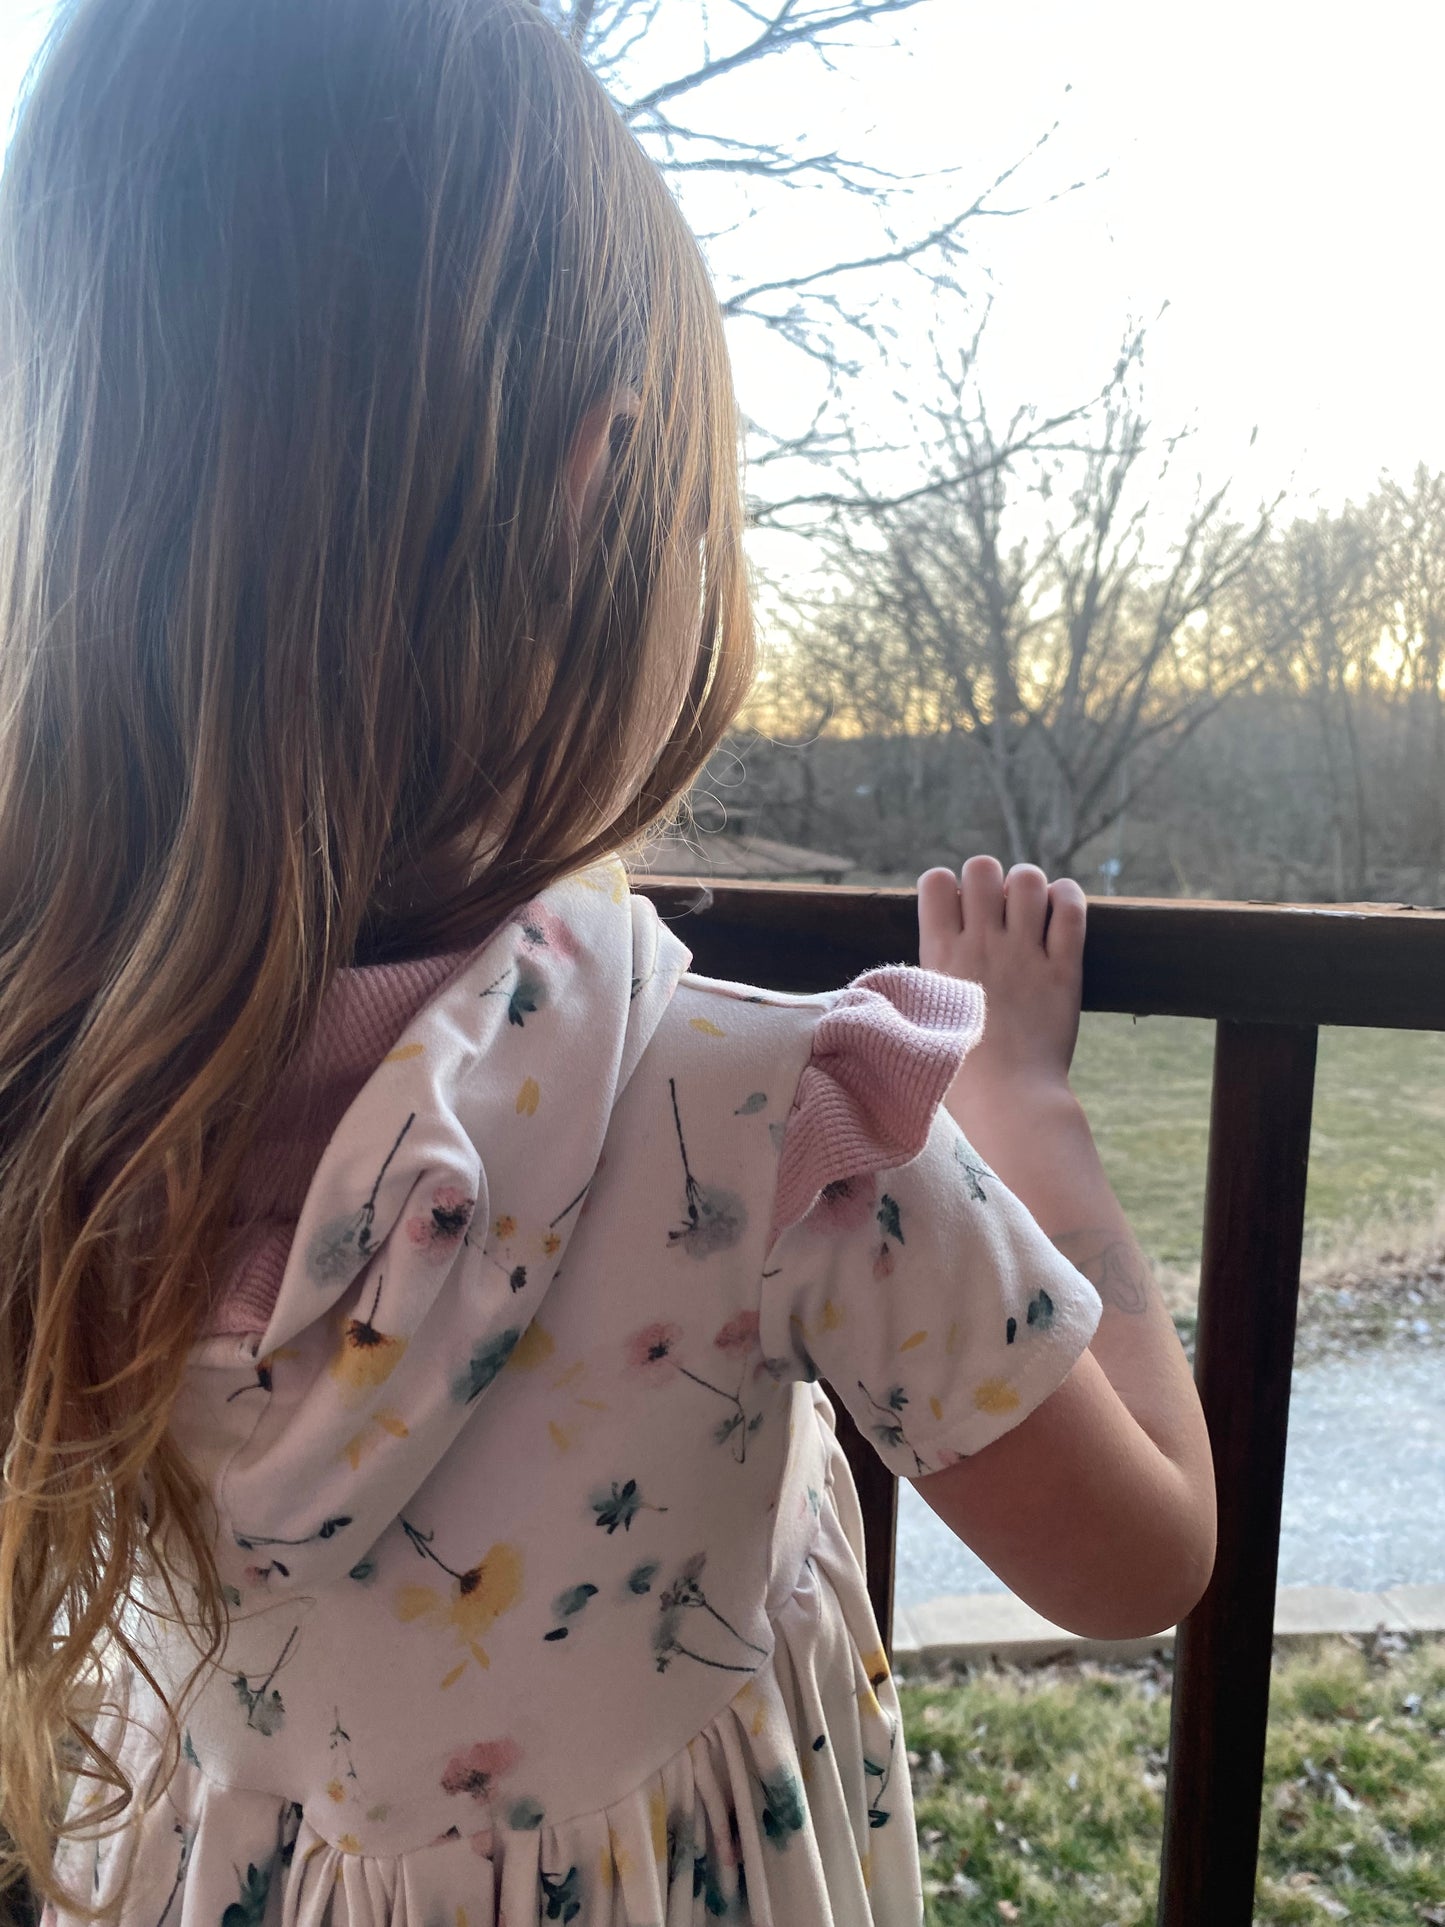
point(1275, 174)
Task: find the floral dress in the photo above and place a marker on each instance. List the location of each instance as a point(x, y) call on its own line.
point(544, 1566)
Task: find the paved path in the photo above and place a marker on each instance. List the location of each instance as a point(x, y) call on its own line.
point(1364, 1503)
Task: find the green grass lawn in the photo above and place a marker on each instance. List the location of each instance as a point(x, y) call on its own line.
point(1039, 1796)
point(1377, 1162)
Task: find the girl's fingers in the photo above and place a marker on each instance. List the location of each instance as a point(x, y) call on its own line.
point(940, 909)
point(1068, 913)
point(982, 892)
point(1026, 901)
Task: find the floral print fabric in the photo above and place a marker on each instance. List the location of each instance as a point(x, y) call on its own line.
point(543, 1563)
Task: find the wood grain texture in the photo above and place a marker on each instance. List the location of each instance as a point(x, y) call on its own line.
point(1249, 1284)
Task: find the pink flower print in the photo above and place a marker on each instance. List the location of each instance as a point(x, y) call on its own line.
point(847, 1204)
point(650, 1352)
point(440, 1230)
point(475, 1768)
point(739, 1336)
point(543, 929)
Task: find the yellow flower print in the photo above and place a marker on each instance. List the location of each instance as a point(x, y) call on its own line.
point(657, 1819)
point(476, 1598)
point(706, 1027)
point(367, 1357)
point(749, 1706)
point(529, 1097)
point(533, 1348)
point(830, 1319)
point(551, 1244)
point(505, 1227)
point(875, 1665)
point(996, 1395)
point(379, 1426)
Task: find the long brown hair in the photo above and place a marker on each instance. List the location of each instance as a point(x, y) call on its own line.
point(304, 660)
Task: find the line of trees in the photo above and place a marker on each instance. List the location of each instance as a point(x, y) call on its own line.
point(1066, 661)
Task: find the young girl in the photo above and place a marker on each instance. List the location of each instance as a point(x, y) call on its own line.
point(419, 1502)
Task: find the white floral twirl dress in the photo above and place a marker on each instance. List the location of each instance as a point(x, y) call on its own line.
point(544, 1566)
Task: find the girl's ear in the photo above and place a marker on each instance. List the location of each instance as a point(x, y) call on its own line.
point(590, 457)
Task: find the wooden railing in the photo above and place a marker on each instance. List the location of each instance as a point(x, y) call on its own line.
point(1268, 976)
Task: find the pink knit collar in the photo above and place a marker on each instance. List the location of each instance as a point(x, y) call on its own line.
point(362, 1015)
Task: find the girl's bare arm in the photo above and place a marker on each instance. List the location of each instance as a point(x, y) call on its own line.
point(1099, 1508)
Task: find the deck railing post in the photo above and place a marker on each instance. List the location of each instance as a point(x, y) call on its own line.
point(878, 1504)
point(1259, 1135)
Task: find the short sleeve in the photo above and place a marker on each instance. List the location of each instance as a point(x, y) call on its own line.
point(903, 1271)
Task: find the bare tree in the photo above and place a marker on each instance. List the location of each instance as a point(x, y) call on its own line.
point(1311, 599)
point(1031, 614)
point(833, 310)
point(1408, 527)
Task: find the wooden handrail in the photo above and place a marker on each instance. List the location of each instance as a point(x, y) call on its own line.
point(1366, 964)
point(1269, 975)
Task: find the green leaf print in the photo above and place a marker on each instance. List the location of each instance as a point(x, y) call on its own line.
point(1041, 1312)
point(188, 1749)
point(265, 1709)
point(250, 1909)
point(341, 1248)
point(706, 1883)
point(573, 1600)
point(782, 1806)
point(752, 1104)
point(490, 1355)
point(562, 1894)
point(525, 1816)
point(526, 997)
point(888, 1430)
point(974, 1172)
point(716, 1218)
point(620, 1506)
point(265, 1712)
point(640, 1579)
point(568, 1604)
point(878, 1814)
point(683, 1595)
point(889, 1219)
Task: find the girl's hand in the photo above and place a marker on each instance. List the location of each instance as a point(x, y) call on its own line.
point(1022, 938)
point(1099, 1508)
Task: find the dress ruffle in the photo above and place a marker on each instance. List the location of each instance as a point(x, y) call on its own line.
point(882, 1058)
